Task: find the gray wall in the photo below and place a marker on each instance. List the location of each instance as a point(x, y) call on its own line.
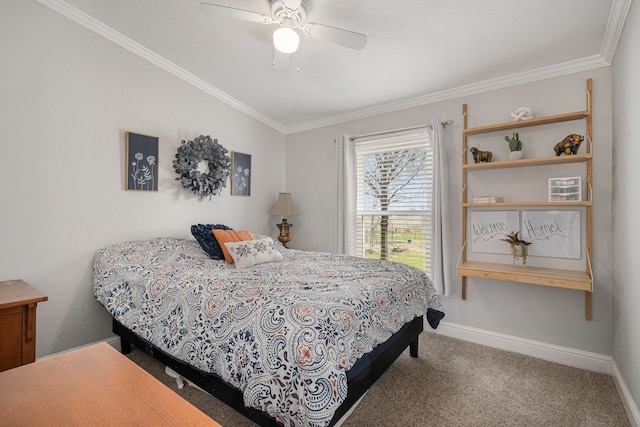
point(550, 315)
point(67, 97)
point(626, 204)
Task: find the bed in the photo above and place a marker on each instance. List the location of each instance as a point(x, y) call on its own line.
point(292, 342)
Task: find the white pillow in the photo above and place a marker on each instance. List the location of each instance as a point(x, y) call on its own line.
point(251, 252)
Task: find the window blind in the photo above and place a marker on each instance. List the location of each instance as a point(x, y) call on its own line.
point(394, 177)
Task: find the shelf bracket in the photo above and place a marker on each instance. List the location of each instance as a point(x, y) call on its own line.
point(464, 278)
point(590, 268)
point(588, 294)
point(464, 245)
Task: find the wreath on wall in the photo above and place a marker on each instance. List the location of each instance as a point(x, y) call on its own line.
point(190, 154)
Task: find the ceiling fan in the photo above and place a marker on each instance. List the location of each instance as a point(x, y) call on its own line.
point(289, 15)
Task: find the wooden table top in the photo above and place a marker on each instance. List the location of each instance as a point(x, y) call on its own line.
point(91, 386)
point(18, 292)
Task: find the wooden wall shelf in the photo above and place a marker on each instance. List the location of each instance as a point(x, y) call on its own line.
point(568, 279)
point(506, 204)
point(528, 123)
point(578, 280)
point(540, 161)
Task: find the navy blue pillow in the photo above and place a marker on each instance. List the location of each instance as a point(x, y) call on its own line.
point(208, 242)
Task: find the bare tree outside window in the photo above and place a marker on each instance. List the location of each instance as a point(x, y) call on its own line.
point(394, 181)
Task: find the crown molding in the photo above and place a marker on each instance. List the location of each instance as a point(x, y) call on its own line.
point(570, 67)
point(114, 36)
point(613, 31)
point(615, 25)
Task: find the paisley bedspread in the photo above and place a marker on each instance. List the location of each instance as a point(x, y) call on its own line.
point(283, 333)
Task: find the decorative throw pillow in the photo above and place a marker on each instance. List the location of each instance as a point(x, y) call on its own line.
point(206, 239)
point(224, 236)
point(258, 236)
point(253, 252)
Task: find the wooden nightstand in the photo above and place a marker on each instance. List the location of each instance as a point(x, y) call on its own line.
point(18, 303)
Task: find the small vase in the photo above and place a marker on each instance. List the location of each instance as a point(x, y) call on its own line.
point(516, 155)
point(519, 251)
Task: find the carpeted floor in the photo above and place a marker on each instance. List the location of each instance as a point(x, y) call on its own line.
point(458, 383)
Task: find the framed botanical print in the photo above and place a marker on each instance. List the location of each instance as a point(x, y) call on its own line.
point(142, 162)
point(240, 174)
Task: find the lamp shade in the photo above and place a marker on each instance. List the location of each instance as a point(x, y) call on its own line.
point(284, 206)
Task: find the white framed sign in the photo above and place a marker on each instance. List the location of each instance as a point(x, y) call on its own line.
point(553, 234)
point(488, 227)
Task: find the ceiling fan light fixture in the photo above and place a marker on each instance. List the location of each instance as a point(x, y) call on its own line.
point(286, 40)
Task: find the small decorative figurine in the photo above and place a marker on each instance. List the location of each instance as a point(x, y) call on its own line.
point(515, 145)
point(522, 113)
point(481, 156)
point(569, 145)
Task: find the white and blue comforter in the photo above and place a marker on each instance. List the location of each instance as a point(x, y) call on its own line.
point(283, 333)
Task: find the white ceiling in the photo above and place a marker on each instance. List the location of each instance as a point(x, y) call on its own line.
point(418, 51)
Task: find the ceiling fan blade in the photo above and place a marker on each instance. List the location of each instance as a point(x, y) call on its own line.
point(280, 60)
point(345, 38)
point(233, 13)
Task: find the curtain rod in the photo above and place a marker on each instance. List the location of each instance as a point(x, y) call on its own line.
point(444, 124)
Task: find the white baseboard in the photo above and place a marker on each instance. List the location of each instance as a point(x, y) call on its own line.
point(625, 395)
point(553, 353)
point(113, 341)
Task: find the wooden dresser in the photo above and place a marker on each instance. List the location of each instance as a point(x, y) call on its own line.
point(18, 303)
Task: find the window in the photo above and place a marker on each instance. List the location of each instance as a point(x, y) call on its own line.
point(394, 198)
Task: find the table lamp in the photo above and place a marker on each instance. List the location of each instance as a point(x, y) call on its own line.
point(284, 207)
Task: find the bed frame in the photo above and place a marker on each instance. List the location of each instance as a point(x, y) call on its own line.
point(360, 377)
